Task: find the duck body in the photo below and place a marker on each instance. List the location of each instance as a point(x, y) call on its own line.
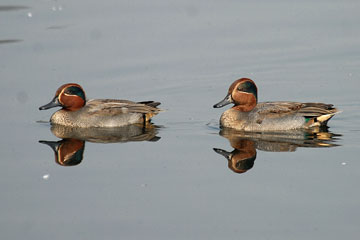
point(249, 115)
point(77, 112)
point(105, 113)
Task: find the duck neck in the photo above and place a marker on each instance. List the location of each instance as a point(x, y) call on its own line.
point(247, 104)
point(244, 108)
point(244, 101)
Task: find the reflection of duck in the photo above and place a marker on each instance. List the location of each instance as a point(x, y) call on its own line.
point(69, 151)
point(77, 112)
point(128, 133)
point(245, 144)
point(249, 115)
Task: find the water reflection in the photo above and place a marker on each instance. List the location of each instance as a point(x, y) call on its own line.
point(243, 156)
point(69, 151)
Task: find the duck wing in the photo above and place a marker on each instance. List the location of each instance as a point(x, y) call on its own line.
point(316, 109)
point(321, 112)
point(278, 109)
point(115, 106)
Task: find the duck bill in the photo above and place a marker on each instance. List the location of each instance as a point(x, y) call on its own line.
point(224, 153)
point(227, 100)
point(53, 103)
point(53, 144)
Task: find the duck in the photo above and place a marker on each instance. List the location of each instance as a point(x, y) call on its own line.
point(77, 111)
point(248, 114)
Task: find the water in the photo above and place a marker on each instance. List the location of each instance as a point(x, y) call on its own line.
point(185, 55)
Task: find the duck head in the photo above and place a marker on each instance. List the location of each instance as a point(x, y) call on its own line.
point(69, 96)
point(242, 93)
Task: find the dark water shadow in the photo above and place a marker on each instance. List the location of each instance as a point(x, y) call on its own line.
point(7, 8)
point(57, 27)
point(7, 41)
point(245, 144)
point(70, 150)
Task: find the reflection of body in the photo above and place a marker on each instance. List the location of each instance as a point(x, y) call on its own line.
point(249, 115)
point(77, 112)
point(69, 151)
point(245, 144)
point(129, 133)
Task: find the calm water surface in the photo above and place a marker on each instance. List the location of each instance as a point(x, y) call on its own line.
point(168, 182)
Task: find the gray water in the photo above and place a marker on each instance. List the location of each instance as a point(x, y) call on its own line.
point(184, 54)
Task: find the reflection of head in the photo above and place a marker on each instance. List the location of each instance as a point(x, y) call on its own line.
point(242, 158)
point(239, 163)
point(68, 152)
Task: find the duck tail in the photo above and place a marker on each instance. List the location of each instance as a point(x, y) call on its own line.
point(152, 110)
point(321, 120)
point(150, 103)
